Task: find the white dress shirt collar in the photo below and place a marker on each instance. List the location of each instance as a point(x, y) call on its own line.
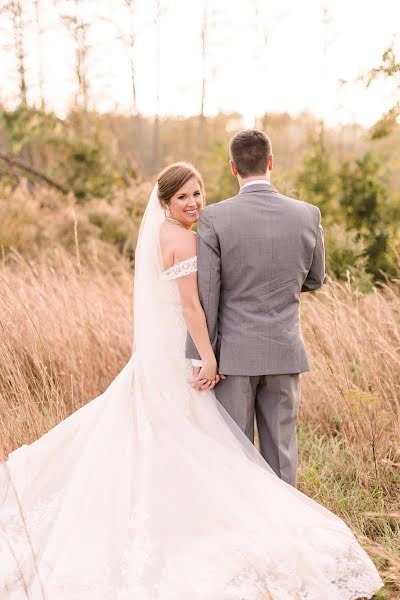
point(256, 181)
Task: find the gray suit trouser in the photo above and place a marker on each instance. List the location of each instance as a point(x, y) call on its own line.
point(274, 401)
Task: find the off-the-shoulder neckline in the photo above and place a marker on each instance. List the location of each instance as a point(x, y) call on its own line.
point(181, 262)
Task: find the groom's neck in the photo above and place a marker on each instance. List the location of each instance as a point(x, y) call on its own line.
point(265, 177)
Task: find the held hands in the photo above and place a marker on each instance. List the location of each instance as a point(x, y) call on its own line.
point(207, 376)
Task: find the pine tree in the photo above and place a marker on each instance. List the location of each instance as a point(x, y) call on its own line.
point(316, 183)
point(363, 197)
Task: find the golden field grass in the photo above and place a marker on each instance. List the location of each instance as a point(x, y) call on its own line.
point(66, 331)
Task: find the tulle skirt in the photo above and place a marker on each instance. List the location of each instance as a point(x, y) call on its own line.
point(123, 501)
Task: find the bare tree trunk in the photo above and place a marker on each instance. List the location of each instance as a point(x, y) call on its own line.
point(14, 161)
point(126, 34)
point(264, 24)
point(39, 34)
point(156, 125)
point(81, 53)
point(137, 124)
point(129, 43)
point(19, 44)
point(18, 27)
point(264, 39)
point(82, 97)
point(78, 29)
point(134, 110)
point(13, 9)
point(204, 39)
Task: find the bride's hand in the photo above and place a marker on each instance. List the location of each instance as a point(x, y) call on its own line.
point(208, 376)
point(209, 385)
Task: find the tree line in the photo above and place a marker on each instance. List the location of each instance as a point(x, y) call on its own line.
point(351, 173)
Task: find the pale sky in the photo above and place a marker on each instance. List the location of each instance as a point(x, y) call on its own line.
point(298, 70)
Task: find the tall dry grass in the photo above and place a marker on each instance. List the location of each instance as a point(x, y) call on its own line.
point(354, 342)
point(350, 425)
point(66, 331)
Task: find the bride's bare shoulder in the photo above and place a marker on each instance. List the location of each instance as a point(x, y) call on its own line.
point(176, 243)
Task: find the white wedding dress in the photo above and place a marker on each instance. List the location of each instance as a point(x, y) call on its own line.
point(151, 491)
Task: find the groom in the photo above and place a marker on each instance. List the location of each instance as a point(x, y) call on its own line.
point(257, 251)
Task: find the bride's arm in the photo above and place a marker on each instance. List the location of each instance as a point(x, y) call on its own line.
point(192, 311)
point(196, 324)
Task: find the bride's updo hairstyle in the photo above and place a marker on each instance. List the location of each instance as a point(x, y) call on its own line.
point(172, 178)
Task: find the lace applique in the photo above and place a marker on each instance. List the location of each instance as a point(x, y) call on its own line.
point(180, 269)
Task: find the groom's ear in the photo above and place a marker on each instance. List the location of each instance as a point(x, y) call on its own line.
point(233, 168)
point(270, 164)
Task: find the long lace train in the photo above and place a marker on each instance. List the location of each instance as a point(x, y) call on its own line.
point(116, 511)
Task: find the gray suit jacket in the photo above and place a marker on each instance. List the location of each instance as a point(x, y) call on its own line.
point(256, 252)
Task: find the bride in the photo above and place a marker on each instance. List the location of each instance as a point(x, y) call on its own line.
point(151, 491)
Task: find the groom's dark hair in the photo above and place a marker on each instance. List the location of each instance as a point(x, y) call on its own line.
point(250, 150)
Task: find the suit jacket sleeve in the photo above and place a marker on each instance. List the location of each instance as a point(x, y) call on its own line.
point(209, 279)
point(316, 275)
